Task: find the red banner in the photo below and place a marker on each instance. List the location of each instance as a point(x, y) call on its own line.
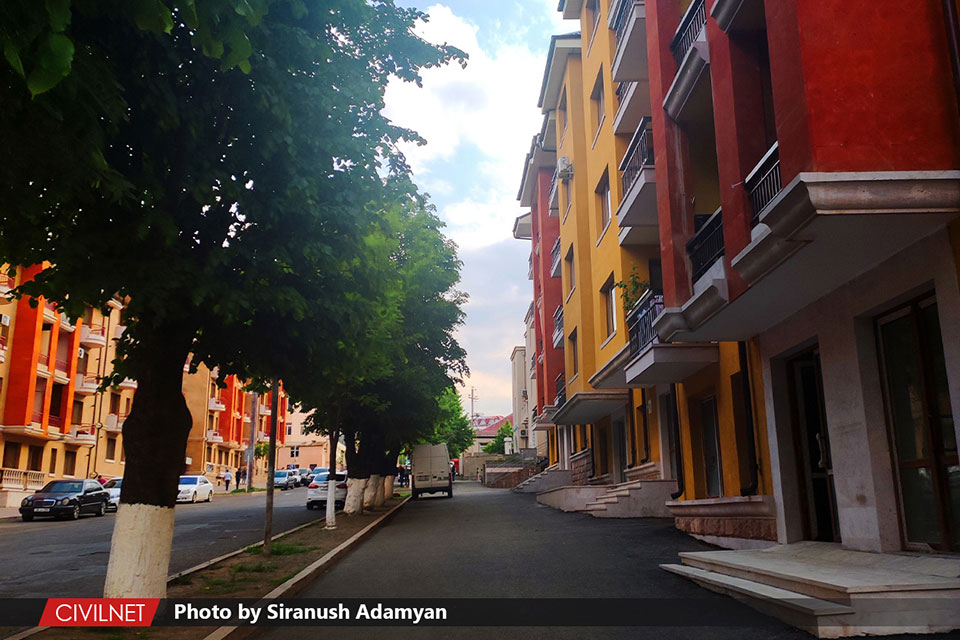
point(99, 612)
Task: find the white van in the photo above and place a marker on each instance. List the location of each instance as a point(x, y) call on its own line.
point(430, 470)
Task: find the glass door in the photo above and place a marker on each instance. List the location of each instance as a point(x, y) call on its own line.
point(921, 421)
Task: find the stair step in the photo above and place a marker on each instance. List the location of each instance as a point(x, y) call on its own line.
point(804, 604)
point(595, 506)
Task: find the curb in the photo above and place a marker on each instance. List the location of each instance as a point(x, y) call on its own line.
point(297, 583)
point(26, 633)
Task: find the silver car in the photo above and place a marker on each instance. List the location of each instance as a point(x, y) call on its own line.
point(113, 489)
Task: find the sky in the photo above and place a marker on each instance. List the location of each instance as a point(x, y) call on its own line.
point(478, 123)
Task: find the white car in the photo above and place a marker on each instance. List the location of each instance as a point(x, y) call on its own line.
point(317, 490)
point(194, 489)
point(113, 488)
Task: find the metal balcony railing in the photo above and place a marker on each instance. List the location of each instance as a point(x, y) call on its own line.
point(706, 245)
point(37, 416)
point(691, 24)
point(561, 387)
point(640, 321)
point(555, 190)
point(558, 327)
point(639, 154)
point(620, 23)
point(763, 183)
point(555, 259)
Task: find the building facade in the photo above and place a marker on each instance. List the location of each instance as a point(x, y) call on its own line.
point(56, 422)
point(759, 280)
point(306, 450)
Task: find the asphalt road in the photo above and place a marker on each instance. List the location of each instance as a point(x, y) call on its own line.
point(488, 543)
point(59, 558)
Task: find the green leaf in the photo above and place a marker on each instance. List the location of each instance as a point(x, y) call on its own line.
point(59, 12)
point(152, 15)
point(55, 61)
point(12, 54)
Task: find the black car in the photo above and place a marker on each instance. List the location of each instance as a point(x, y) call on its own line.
point(66, 499)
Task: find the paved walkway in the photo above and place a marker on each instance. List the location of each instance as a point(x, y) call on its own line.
point(489, 543)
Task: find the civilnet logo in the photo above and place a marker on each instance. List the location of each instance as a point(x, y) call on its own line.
point(99, 612)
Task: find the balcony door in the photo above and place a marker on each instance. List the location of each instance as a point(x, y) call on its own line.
point(920, 419)
point(818, 496)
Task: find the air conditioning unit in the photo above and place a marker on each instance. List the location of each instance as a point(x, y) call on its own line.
point(4, 320)
point(81, 352)
point(523, 433)
point(564, 168)
point(523, 394)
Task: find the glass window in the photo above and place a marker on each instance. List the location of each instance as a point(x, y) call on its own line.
point(188, 480)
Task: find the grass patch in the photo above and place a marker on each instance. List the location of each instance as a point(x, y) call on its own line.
point(281, 549)
point(404, 494)
point(226, 585)
point(260, 567)
point(253, 490)
point(279, 581)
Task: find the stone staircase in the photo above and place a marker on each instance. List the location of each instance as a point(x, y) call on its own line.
point(832, 592)
point(635, 499)
point(545, 480)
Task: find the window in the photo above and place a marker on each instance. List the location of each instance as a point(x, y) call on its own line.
point(11, 455)
point(593, 14)
point(574, 365)
point(603, 202)
point(77, 417)
point(562, 115)
point(294, 452)
point(56, 400)
point(571, 270)
point(289, 429)
point(35, 458)
point(53, 462)
point(567, 197)
point(114, 403)
point(609, 297)
point(597, 102)
point(111, 449)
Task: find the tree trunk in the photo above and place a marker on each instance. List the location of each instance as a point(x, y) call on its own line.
point(388, 487)
point(370, 491)
point(155, 441)
point(357, 474)
point(388, 469)
point(332, 481)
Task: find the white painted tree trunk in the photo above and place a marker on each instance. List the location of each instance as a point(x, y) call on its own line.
point(388, 487)
point(331, 503)
point(370, 492)
point(380, 494)
point(355, 487)
point(139, 552)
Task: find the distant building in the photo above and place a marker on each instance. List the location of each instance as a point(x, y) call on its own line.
point(486, 428)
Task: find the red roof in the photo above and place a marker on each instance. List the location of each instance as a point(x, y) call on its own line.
point(491, 430)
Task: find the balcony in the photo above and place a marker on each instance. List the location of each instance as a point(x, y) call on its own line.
point(533, 366)
point(61, 370)
point(530, 267)
point(640, 322)
point(7, 282)
point(247, 418)
point(265, 411)
point(43, 360)
point(637, 213)
point(93, 336)
point(629, 19)
point(555, 260)
point(114, 422)
point(561, 389)
point(692, 55)
point(739, 16)
point(706, 245)
point(558, 328)
point(214, 436)
point(129, 384)
point(37, 417)
point(3, 349)
point(763, 182)
point(555, 194)
point(86, 385)
point(215, 404)
point(49, 312)
point(82, 435)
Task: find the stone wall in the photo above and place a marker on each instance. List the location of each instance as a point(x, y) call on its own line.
point(512, 478)
point(581, 466)
point(733, 527)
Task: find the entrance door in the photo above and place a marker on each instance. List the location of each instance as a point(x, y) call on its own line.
point(818, 497)
point(620, 452)
point(921, 421)
point(710, 437)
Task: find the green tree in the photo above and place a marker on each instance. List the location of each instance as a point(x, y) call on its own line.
point(497, 445)
point(452, 426)
point(226, 188)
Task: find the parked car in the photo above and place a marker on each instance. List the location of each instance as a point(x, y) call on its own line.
point(194, 488)
point(315, 471)
point(112, 487)
point(317, 490)
point(430, 470)
point(65, 499)
point(286, 479)
point(304, 478)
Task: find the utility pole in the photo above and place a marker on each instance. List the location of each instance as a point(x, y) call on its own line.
point(271, 467)
point(473, 397)
point(252, 442)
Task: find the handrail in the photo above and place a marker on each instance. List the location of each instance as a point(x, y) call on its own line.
point(639, 154)
point(763, 182)
point(706, 245)
point(688, 30)
point(640, 321)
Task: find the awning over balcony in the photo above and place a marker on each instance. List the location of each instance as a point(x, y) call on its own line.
point(629, 19)
point(587, 407)
point(611, 375)
point(667, 363)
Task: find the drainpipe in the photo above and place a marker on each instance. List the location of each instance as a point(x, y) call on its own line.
point(953, 42)
point(676, 439)
point(750, 489)
point(646, 428)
